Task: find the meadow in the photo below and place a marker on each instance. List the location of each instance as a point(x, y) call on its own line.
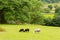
point(26, 11)
point(46, 33)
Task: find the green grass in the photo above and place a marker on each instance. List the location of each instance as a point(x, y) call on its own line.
point(49, 15)
point(12, 33)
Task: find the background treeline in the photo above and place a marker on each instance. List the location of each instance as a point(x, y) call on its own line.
point(50, 1)
point(28, 12)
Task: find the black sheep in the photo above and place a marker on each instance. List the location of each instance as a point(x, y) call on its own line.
point(21, 30)
point(27, 30)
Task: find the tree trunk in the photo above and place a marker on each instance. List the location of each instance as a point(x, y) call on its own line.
point(2, 17)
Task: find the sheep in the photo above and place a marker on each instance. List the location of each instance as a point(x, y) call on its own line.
point(37, 30)
point(27, 30)
point(21, 30)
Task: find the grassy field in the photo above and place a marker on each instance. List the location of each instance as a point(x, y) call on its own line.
point(12, 32)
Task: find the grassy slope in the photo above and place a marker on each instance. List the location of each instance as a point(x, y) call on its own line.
point(47, 33)
point(49, 15)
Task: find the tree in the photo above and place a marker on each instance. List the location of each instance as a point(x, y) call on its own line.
point(56, 21)
point(50, 1)
point(19, 10)
point(2, 19)
point(50, 6)
point(57, 10)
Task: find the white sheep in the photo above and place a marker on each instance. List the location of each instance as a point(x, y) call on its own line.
point(37, 30)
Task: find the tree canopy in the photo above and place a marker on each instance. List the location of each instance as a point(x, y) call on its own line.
point(20, 10)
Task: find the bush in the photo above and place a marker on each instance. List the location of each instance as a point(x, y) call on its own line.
point(50, 7)
point(48, 22)
point(47, 10)
point(56, 20)
point(57, 10)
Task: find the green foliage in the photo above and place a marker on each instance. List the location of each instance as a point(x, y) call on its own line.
point(48, 22)
point(50, 6)
point(46, 10)
point(57, 10)
point(56, 20)
point(37, 19)
point(21, 11)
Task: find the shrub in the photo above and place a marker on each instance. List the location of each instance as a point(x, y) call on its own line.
point(57, 10)
point(56, 20)
point(50, 6)
point(48, 22)
point(47, 10)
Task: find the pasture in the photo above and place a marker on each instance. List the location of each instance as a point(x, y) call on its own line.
point(12, 32)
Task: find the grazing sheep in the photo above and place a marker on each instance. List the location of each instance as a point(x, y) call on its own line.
point(27, 30)
point(37, 30)
point(21, 30)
